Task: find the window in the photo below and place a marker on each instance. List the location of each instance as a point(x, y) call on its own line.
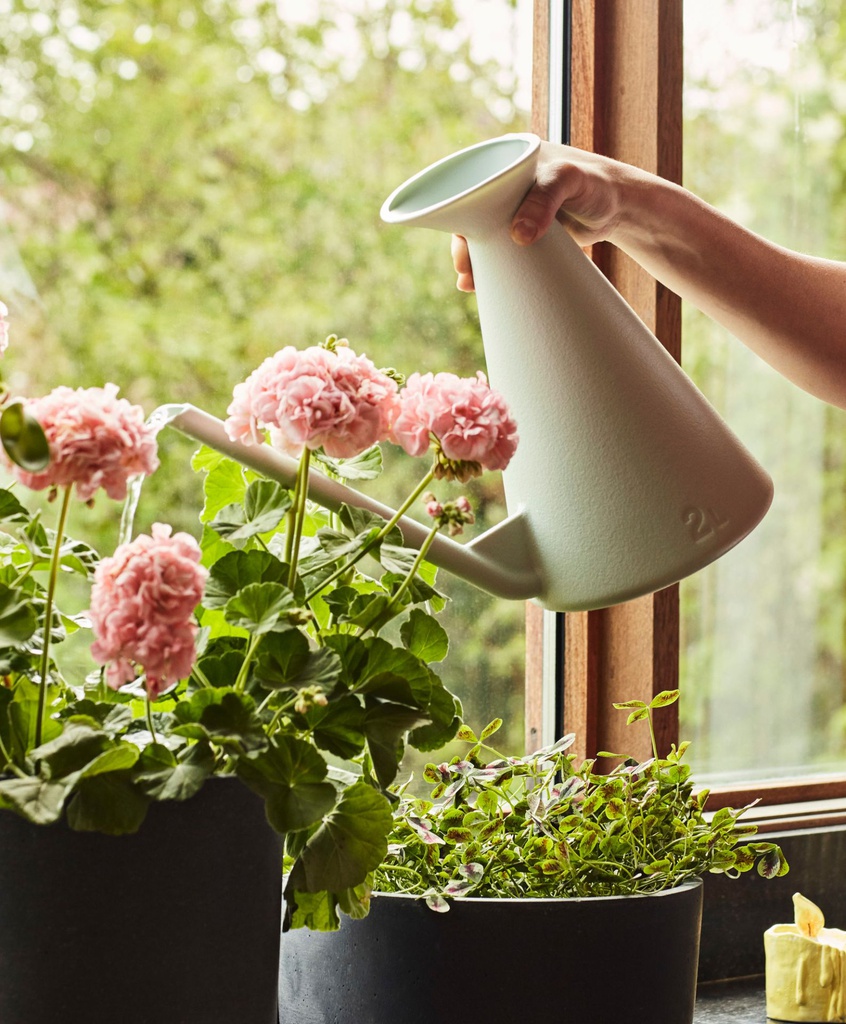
point(763, 124)
point(625, 99)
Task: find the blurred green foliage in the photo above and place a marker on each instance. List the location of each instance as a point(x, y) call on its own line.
point(188, 187)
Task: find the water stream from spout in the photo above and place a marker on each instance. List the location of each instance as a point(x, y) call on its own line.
point(158, 419)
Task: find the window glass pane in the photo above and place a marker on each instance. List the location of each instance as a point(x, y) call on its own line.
point(763, 669)
point(188, 187)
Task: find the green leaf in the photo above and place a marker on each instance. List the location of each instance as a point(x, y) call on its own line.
point(264, 506)
point(366, 466)
point(165, 778)
point(664, 698)
point(221, 670)
point(445, 711)
point(266, 503)
point(11, 510)
point(236, 570)
point(316, 911)
point(107, 803)
point(225, 481)
point(385, 727)
point(338, 727)
point(424, 636)
point(233, 721)
point(396, 559)
point(637, 716)
point(23, 438)
point(286, 660)
point(260, 608)
point(624, 705)
point(395, 674)
point(115, 759)
point(18, 618)
point(360, 520)
point(338, 547)
point(22, 717)
point(78, 745)
point(289, 775)
point(490, 729)
point(351, 842)
point(38, 800)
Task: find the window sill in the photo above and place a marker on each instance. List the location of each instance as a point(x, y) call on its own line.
point(731, 1002)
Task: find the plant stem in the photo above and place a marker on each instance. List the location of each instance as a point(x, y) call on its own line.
point(388, 611)
point(652, 733)
point(241, 681)
point(48, 613)
point(148, 707)
point(10, 764)
point(380, 536)
point(300, 495)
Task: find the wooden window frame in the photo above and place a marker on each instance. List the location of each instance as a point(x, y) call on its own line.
point(624, 100)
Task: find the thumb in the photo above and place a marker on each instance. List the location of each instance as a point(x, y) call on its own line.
point(534, 215)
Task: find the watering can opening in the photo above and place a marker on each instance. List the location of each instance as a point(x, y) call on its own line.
point(456, 176)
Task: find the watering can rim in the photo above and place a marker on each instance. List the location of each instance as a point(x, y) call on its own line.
point(391, 216)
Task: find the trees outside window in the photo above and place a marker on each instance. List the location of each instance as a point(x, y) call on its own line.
point(186, 188)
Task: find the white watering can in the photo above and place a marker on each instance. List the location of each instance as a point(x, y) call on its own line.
point(626, 479)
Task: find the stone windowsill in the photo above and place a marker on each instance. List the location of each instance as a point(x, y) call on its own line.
point(731, 1002)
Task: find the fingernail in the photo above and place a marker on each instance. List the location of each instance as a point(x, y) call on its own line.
point(524, 231)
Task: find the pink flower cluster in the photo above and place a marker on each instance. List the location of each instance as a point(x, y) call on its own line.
point(469, 420)
point(317, 397)
point(142, 609)
point(96, 440)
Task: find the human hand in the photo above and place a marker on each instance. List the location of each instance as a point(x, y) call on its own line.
point(581, 190)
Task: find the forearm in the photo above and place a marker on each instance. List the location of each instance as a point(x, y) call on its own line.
point(788, 308)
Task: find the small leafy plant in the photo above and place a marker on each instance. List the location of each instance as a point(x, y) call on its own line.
point(543, 826)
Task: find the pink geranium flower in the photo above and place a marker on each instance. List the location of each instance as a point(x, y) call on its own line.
point(315, 398)
point(142, 609)
point(96, 440)
point(466, 420)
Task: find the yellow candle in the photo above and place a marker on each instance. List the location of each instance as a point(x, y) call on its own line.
point(806, 967)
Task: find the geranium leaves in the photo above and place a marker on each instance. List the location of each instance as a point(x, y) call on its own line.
point(290, 774)
point(18, 619)
point(261, 608)
point(349, 843)
point(287, 660)
point(238, 569)
point(263, 508)
point(424, 636)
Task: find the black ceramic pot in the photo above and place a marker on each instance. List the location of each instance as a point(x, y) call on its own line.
point(611, 960)
point(178, 924)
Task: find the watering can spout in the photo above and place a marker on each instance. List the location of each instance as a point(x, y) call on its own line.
point(502, 567)
point(626, 478)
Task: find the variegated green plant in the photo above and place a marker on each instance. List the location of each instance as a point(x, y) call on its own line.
point(545, 826)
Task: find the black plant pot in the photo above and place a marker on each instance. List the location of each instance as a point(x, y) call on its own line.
point(609, 960)
point(178, 924)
